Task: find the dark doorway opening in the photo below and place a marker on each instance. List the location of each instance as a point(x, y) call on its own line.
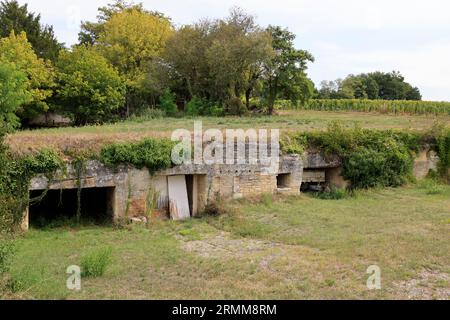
point(60, 206)
point(190, 184)
point(196, 185)
point(283, 181)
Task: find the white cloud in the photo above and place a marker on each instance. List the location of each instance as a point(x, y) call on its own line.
point(328, 28)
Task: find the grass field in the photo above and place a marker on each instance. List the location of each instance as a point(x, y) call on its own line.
point(285, 248)
point(93, 137)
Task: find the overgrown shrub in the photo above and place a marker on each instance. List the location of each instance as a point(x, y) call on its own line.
point(15, 175)
point(387, 167)
point(293, 144)
point(195, 107)
point(90, 88)
point(370, 158)
point(443, 150)
point(153, 154)
point(94, 263)
point(168, 104)
point(235, 106)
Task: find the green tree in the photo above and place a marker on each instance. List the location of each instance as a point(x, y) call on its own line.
point(13, 93)
point(354, 87)
point(392, 86)
point(132, 39)
point(186, 54)
point(285, 74)
point(220, 61)
point(91, 31)
point(167, 103)
point(90, 89)
point(17, 18)
point(17, 50)
point(375, 85)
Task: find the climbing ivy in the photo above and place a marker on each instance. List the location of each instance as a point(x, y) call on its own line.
point(153, 154)
point(443, 150)
point(16, 173)
point(371, 158)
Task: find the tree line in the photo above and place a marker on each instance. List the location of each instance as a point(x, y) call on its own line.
point(132, 59)
point(372, 86)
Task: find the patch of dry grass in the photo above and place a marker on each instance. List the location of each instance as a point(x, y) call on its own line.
point(92, 138)
point(288, 248)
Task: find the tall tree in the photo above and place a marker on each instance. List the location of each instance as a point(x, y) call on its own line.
point(39, 73)
point(90, 31)
point(90, 89)
point(17, 18)
point(375, 85)
point(221, 60)
point(13, 93)
point(285, 74)
point(132, 39)
point(392, 86)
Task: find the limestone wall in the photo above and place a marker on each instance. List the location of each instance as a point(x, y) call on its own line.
point(135, 190)
point(425, 161)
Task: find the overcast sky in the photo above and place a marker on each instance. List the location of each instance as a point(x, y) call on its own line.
point(345, 36)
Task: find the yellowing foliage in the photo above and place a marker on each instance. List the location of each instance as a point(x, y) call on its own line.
point(40, 75)
point(131, 38)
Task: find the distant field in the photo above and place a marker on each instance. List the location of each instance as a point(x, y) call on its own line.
point(305, 248)
point(93, 137)
point(381, 106)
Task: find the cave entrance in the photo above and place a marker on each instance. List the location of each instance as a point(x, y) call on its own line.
point(60, 206)
point(314, 180)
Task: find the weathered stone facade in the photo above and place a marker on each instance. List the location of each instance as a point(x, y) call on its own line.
point(425, 161)
point(134, 191)
point(133, 188)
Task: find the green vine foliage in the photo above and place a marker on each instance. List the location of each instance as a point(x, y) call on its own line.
point(153, 154)
point(17, 176)
point(371, 158)
point(443, 150)
point(16, 173)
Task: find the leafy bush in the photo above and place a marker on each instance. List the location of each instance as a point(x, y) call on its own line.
point(443, 150)
point(15, 175)
point(215, 110)
point(94, 264)
point(13, 92)
point(37, 75)
point(167, 103)
point(195, 107)
point(370, 158)
point(367, 168)
point(235, 106)
point(91, 90)
point(152, 154)
point(45, 161)
point(293, 144)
